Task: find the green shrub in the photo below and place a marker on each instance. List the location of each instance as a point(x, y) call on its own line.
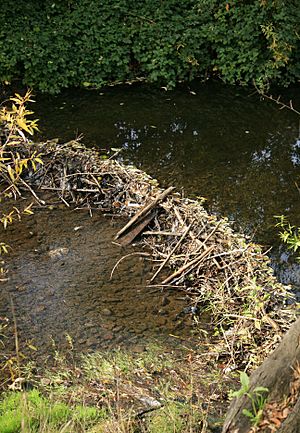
point(55, 44)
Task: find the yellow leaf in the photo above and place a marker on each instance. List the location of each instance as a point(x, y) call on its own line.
point(22, 123)
point(11, 173)
point(31, 347)
point(28, 212)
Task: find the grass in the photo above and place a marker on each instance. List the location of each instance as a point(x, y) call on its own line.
point(117, 392)
point(31, 412)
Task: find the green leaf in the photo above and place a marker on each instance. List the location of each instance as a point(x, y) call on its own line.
point(245, 380)
point(248, 414)
point(260, 389)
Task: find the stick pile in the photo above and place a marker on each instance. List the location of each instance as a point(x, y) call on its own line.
point(191, 250)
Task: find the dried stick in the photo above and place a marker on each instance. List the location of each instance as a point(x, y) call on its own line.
point(171, 253)
point(32, 192)
point(210, 234)
point(144, 210)
point(161, 233)
point(188, 265)
point(88, 191)
point(137, 253)
point(178, 216)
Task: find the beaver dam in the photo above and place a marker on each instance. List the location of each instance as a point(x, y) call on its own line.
point(225, 276)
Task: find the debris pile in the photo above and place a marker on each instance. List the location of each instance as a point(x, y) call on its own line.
point(223, 273)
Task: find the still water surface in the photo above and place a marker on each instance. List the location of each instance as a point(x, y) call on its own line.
point(224, 143)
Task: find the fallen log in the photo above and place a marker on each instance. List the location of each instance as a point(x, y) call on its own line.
point(280, 373)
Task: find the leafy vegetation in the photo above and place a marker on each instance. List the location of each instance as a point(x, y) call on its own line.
point(289, 234)
point(257, 397)
point(14, 122)
point(54, 44)
point(16, 159)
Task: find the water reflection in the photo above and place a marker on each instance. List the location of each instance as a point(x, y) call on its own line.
point(295, 157)
point(240, 152)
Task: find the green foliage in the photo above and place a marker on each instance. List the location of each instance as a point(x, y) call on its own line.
point(36, 413)
point(257, 396)
point(55, 44)
point(290, 235)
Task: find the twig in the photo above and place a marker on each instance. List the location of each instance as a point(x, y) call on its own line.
point(161, 233)
point(63, 200)
point(171, 253)
point(32, 192)
point(89, 191)
point(176, 211)
point(188, 265)
point(227, 253)
point(210, 234)
point(150, 409)
point(278, 102)
point(137, 253)
point(17, 347)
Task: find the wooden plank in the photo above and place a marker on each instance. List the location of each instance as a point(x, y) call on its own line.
point(144, 210)
point(137, 229)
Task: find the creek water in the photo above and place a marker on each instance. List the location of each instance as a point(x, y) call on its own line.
point(223, 143)
point(227, 144)
point(60, 287)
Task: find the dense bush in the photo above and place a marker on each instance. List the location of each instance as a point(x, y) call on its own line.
point(61, 43)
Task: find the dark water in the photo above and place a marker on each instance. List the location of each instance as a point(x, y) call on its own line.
point(223, 143)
